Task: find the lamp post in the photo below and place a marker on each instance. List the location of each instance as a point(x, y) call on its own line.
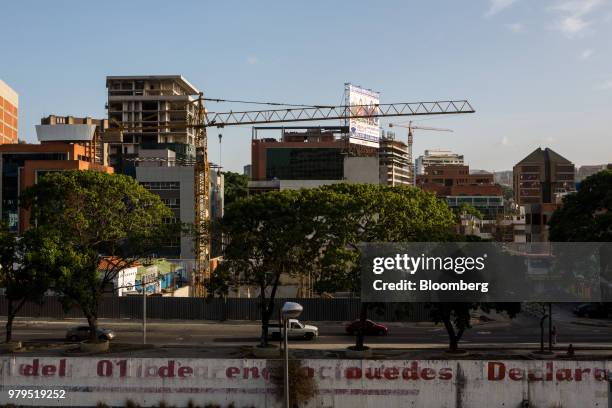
point(290, 310)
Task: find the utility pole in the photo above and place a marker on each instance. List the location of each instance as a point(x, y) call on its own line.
point(144, 310)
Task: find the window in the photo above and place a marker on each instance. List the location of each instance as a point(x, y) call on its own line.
point(161, 185)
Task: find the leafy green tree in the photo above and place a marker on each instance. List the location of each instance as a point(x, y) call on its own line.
point(98, 217)
point(235, 186)
point(359, 213)
point(270, 235)
point(507, 192)
point(585, 216)
point(28, 266)
point(467, 209)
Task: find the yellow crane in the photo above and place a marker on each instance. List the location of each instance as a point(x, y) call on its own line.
point(293, 113)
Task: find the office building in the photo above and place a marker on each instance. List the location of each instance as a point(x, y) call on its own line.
point(542, 175)
point(9, 114)
point(174, 185)
point(458, 186)
point(436, 157)
point(540, 181)
point(395, 162)
point(152, 112)
point(308, 157)
point(22, 164)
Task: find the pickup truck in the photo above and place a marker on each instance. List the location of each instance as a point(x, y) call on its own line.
point(296, 330)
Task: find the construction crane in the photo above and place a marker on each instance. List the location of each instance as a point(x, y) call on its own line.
point(203, 120)
point(410, 128)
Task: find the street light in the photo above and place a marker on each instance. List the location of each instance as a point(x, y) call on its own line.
point(290, 310)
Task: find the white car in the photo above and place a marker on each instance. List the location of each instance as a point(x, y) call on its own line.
point(296, 330)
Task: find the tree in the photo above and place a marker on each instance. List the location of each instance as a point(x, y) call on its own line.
point(360, 213)
point(585, 216)
point(268, 237)
point(97, 217)
point(27, 269)
point(455, 316)
point(235, 186)
point(467, 209)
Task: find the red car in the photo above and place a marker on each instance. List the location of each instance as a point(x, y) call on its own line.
point(371, 328)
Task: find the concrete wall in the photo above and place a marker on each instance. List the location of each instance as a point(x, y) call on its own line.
point(341, 383)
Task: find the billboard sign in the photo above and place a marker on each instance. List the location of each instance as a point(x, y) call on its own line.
point(363, 131)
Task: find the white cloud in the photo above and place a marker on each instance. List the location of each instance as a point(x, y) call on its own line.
point(586, 54)
point(515, 27)
point(505, 141)
point(574, 15)
point(497, 6)
point(252, 60)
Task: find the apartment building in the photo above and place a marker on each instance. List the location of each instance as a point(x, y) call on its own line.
point(9, 114)
point(152, 111)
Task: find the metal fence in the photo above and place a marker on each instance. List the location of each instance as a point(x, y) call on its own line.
point(315, 309)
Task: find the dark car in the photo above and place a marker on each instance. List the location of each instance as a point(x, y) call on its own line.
point(82, 333)
point(370, 328)
point(590, 310)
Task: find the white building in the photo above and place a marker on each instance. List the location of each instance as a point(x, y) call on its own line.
point(436, 157)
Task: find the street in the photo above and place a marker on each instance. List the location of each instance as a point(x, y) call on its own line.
point(523, 330)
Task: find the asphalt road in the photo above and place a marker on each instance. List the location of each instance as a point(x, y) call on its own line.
point(524, 330)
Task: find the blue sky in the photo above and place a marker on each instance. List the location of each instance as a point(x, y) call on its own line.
point(539, 72)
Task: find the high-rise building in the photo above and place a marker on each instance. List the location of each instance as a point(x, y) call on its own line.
point(436, 157)
point(65, 125)
point(542, 175)
point(540, 181)
point(155, 110)
point(395, 163)
point(9, 114)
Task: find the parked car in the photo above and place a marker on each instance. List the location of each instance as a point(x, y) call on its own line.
point(82, 333)
point(370, 328)
point(590, 310)
point(296, 330)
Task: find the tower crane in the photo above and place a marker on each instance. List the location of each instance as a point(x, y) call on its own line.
point(410, 128)
point(202, 120)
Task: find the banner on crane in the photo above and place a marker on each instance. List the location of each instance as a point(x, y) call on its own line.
point(363, 131)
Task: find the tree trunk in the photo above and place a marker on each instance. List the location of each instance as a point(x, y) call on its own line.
point(10, 317)
point(265, 322)
point(453, 340)
point(363, 316)
point(9, 322)
point(93, 327)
